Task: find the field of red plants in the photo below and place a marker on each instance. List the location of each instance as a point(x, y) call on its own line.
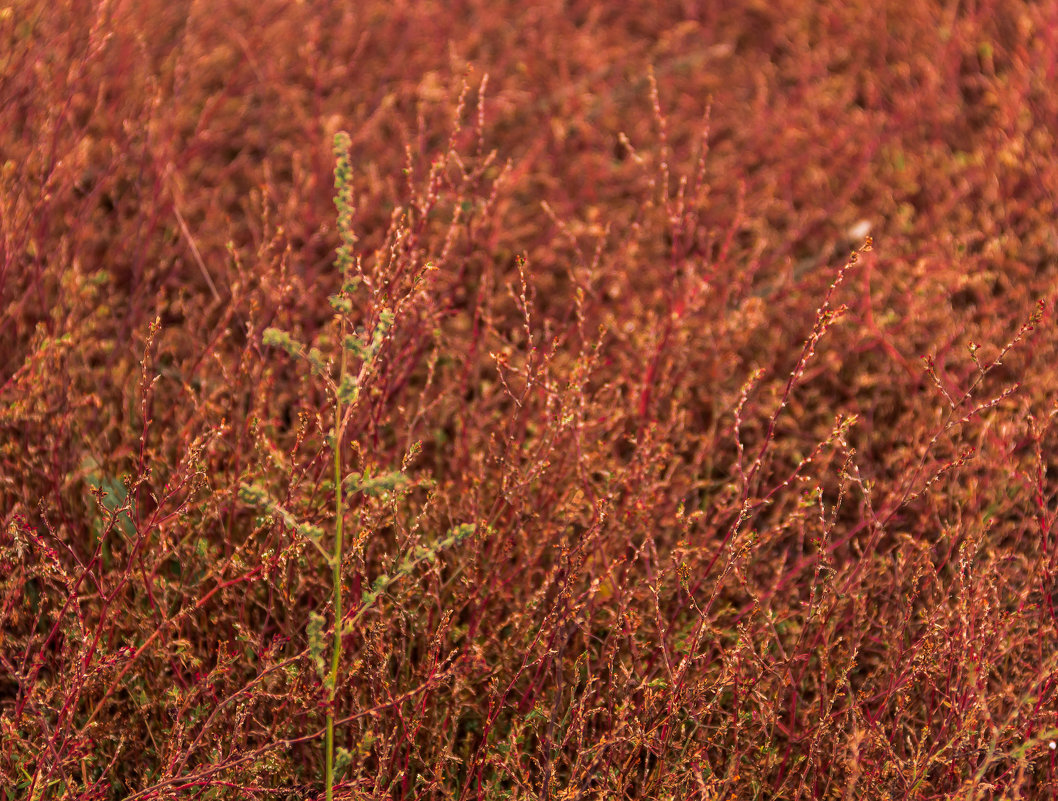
point(657, 398)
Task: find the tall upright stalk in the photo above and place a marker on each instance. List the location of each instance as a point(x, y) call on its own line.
point(336, 584)
point(363, 347)
point(344, 258)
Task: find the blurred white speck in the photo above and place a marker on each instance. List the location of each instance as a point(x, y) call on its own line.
point(1052, 745)
point(859, 230)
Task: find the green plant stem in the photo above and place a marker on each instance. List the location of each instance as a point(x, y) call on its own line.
point(336, 580)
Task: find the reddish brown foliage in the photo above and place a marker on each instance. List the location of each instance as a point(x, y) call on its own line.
point(755, 519)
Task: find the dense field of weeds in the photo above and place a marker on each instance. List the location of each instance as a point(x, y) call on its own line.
point(676, 381)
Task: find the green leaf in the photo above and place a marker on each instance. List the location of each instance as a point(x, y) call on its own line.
point(342, 760)
point(316, 643)
point(356, 346)
point(277, 338)
point(374, 485)
point(341, 304)
point(254, 495)
point(112, 495)
point(348, 390)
